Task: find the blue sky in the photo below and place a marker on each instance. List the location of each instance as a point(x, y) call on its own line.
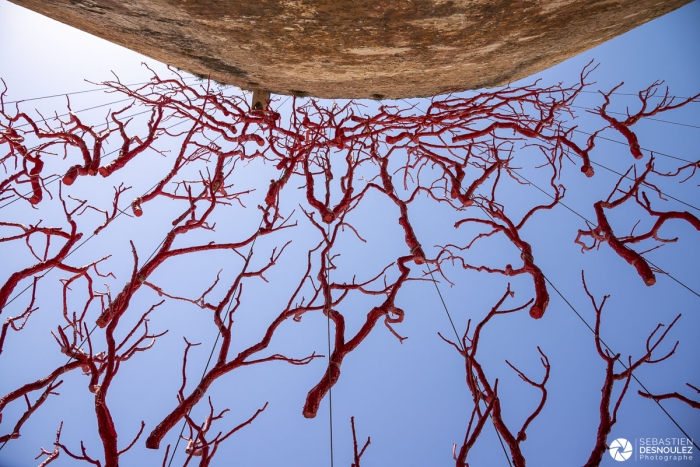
point(411, 398)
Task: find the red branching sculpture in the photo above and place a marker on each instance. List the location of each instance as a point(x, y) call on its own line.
point(328, 164)
point(483, 390)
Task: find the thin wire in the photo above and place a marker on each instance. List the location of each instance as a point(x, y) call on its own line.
point(120, 212)
point(57, 376)
point(459, 343)
point(96, 126)
point(633, 94)
point(611, 140)
point(626, 176)
point(572, 307)
point(105, 155)
point(645, 184)
point(328, 300)
point(216, 341)
point(622, 363)
point(75, 112)
point(328, 328)
point(627, 144)
point(228, 310)
point(593, 331)
point(606, 345)
point(646, 118)
point(78, 111)
point(650, 262)
point(580, 316)
point(81, 92)
point(659, 269)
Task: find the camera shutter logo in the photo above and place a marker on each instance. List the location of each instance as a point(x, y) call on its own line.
point(620, 449)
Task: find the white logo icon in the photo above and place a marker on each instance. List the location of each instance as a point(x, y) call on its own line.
point(620, 449)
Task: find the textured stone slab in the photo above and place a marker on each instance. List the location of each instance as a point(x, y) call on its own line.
point(357, 48)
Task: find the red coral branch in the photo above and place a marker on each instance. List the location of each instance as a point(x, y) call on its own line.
point(357, 455)
point(674, 395)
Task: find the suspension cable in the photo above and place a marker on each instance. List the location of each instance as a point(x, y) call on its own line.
point(646, 118)
point(328, 299)
point(464, 351)
point(83, 92)
point(659, 269)
point(228, 310)
point(605, 344)
point(120, 211)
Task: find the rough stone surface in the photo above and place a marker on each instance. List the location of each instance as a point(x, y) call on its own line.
point(357, 48)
